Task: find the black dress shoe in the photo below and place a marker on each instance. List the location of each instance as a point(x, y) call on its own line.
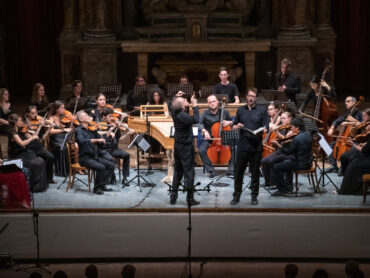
point(277, 193)
point(125, 182)
point(332, 169)
point(235, 201)
point(340, 172)
point(193, 202)
point(98, 191)
point(104, 188)
point(254, 200)
point(52, 182)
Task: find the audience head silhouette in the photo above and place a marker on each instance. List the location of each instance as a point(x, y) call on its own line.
point(91, 271)
point(320, 273)
point(351, 266)
point(60, 274)
point(35, 275)
point(291, 271)
point(128, 271)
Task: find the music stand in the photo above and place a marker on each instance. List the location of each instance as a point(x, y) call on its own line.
point(221, 96)
point(205, 91)
point(327, 151)
point(174, 88)
point(141, 93)
point(81, 103)
point(111, 91)
point(275, 95)
point(141, 143)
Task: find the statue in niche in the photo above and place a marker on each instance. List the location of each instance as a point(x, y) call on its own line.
point(196, 31)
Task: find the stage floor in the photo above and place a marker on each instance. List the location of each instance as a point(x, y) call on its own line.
point(218, 198)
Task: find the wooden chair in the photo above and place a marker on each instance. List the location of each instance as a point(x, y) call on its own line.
point(311, 175)
point(75, 167)
point(4, 146)
point(365, 182)
point(118, 165)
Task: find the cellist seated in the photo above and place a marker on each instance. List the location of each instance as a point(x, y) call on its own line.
point(207, 120)
point(352, 117)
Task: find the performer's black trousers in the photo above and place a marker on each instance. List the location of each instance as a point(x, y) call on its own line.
point(242, 160)
point(103, 169)
point(118, 153)
point(284, 172)
point(268, 163)
point(184, 167)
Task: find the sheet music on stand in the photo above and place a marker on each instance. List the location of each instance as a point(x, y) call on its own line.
point(230, 137)
point(274, 95)
point(144, 90)
point(140, 141)
point(173, 88)
point(325, 145)
point(205, 91)
point(111, 91)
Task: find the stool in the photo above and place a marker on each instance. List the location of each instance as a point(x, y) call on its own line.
point(365, 182)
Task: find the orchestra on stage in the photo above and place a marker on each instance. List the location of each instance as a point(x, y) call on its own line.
point(274, 139)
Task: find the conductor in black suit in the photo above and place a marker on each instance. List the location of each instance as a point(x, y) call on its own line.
point(286, 81)
point(184, 147)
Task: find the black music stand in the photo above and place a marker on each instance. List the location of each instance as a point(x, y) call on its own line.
point(174, 88)
point(275, 95)
point(140, 143)
point(326, 151)
point(205, 91)
point(111, 91)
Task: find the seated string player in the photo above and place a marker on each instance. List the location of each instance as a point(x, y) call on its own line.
point(39, 99)
point(300, 150)
point(19, 148)
point(207, 119)
point(269, 161)
point(112, 137)
point(31, 117)
point(351, 118)
point(88, 154)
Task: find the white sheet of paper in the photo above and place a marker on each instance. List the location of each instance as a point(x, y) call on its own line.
point(325, 145)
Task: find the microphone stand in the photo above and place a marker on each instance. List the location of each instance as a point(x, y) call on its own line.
point(187, 189)
point(35, 221)
point(149, 167)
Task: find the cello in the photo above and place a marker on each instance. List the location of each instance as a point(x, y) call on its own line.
point(341, 145)
point(218, 153)
point(325, 109)
point(271, 135)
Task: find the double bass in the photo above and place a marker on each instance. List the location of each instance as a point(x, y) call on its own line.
point(325, 109)
point(218, 153)
point(341, 146)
